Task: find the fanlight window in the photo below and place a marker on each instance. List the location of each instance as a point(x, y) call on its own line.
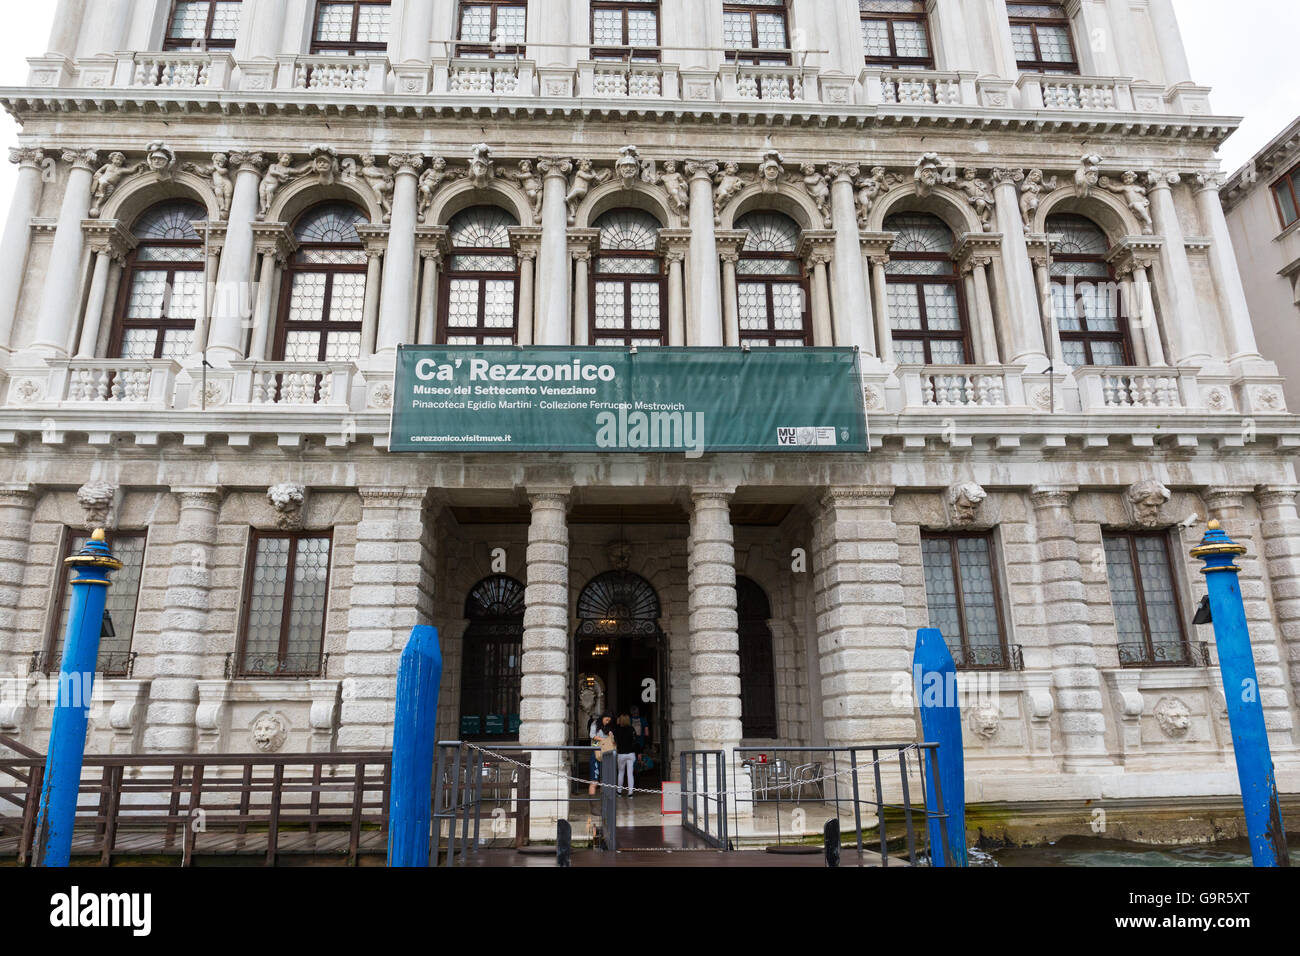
point(927, 312)
point(162, 291)
point(1085, 296)
point(770, 286)
point(628, 287)
point(618, 603)
point(480, 289)
point(323, 302)
point(492, 661)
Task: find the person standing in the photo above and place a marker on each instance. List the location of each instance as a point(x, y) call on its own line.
point(625, 740)
point(602, 744)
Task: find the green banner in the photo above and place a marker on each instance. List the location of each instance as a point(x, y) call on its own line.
point(682, 400)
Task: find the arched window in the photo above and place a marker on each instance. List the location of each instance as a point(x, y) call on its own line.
point(491, 660)
point(324, 294)
point(927, 311)
point(1085, 296)
point(627, 282)
point(770, 284)
point(618, 604)
point(162, 291)
point(480, 290)
point(757, 662)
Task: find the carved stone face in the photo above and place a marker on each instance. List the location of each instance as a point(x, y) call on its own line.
point(984, 719)
point(268, 733)
point(1173, 716)
point(117, 159)
point(285, 159)
point(965, 500)
point(219, 160)
point(1146, 499)
point(1129, 178)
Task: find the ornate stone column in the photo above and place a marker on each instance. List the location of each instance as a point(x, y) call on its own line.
point(235, 274)
point(1177, 292)
point(861, 622)
point(62, 280)
point(581, 251)
point(392, 592)
point(1024, 341)
point(427, 330)
point(397, 298)
point(1079, 695)
point(1280, 531)
point(676, 297)
point(852, 309)
point(880, 294)
point(714, 640)
point(17, 503)
point(1142, 305)
point(183, 635)
point(1228, 504)
point(729, 245)
point(375, 240)
point(1238, 331)
point(274, 243)
point(1041, 258)
point(17, 239)
point(975, 256)
point(544, 685)
point(553, 310)
point(109, 243)
point(705, 292)
point(823, 333)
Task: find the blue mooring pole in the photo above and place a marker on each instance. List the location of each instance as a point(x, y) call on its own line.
point(934, 678)
point(414, 741)
point(1241, 692)
point(58, 808)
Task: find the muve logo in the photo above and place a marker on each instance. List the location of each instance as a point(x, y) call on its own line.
point(805, 436)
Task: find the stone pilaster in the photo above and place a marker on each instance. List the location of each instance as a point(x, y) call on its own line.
point(714, 641)
point(1280, 529)
point(1075, 674)
point(392, 592)
point(59, 297)
point(183, 636)
point(17, 238)
point(861, 625)
point(704, 281)
point(1178, 295)
point(397, 300)
point(544, 687)
point(1228, 504)
point(552, 280)
point(17, 502)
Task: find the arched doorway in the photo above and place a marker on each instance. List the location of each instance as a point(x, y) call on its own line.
point(757, 661)
point(491, 654)
point(620, 645)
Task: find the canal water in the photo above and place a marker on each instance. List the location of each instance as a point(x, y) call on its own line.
point(1082, 851)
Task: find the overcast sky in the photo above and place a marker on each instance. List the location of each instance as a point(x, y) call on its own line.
point(1245, 50)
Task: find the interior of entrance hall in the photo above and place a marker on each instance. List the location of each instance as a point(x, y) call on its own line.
point(628, 627)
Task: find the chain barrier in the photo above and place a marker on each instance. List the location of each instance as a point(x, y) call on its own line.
point(860, 768)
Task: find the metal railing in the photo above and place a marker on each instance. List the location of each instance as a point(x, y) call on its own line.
point(704, 811)
point(502, 779)
point(1164, 654)
point(117, 664)
point(272, 666)
point(846, 779)
point(989, 658)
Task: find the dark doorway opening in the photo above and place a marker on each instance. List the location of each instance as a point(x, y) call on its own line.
point(622, 665)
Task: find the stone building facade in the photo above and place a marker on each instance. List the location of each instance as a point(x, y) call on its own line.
point(229, 216)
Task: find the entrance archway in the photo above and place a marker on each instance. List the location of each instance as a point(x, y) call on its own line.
point(757, 661)
point(491, 660)
point(620, 645)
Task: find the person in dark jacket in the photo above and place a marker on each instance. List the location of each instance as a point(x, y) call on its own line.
point(626, 741)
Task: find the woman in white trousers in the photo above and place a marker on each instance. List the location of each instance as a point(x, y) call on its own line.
point(626, 741)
